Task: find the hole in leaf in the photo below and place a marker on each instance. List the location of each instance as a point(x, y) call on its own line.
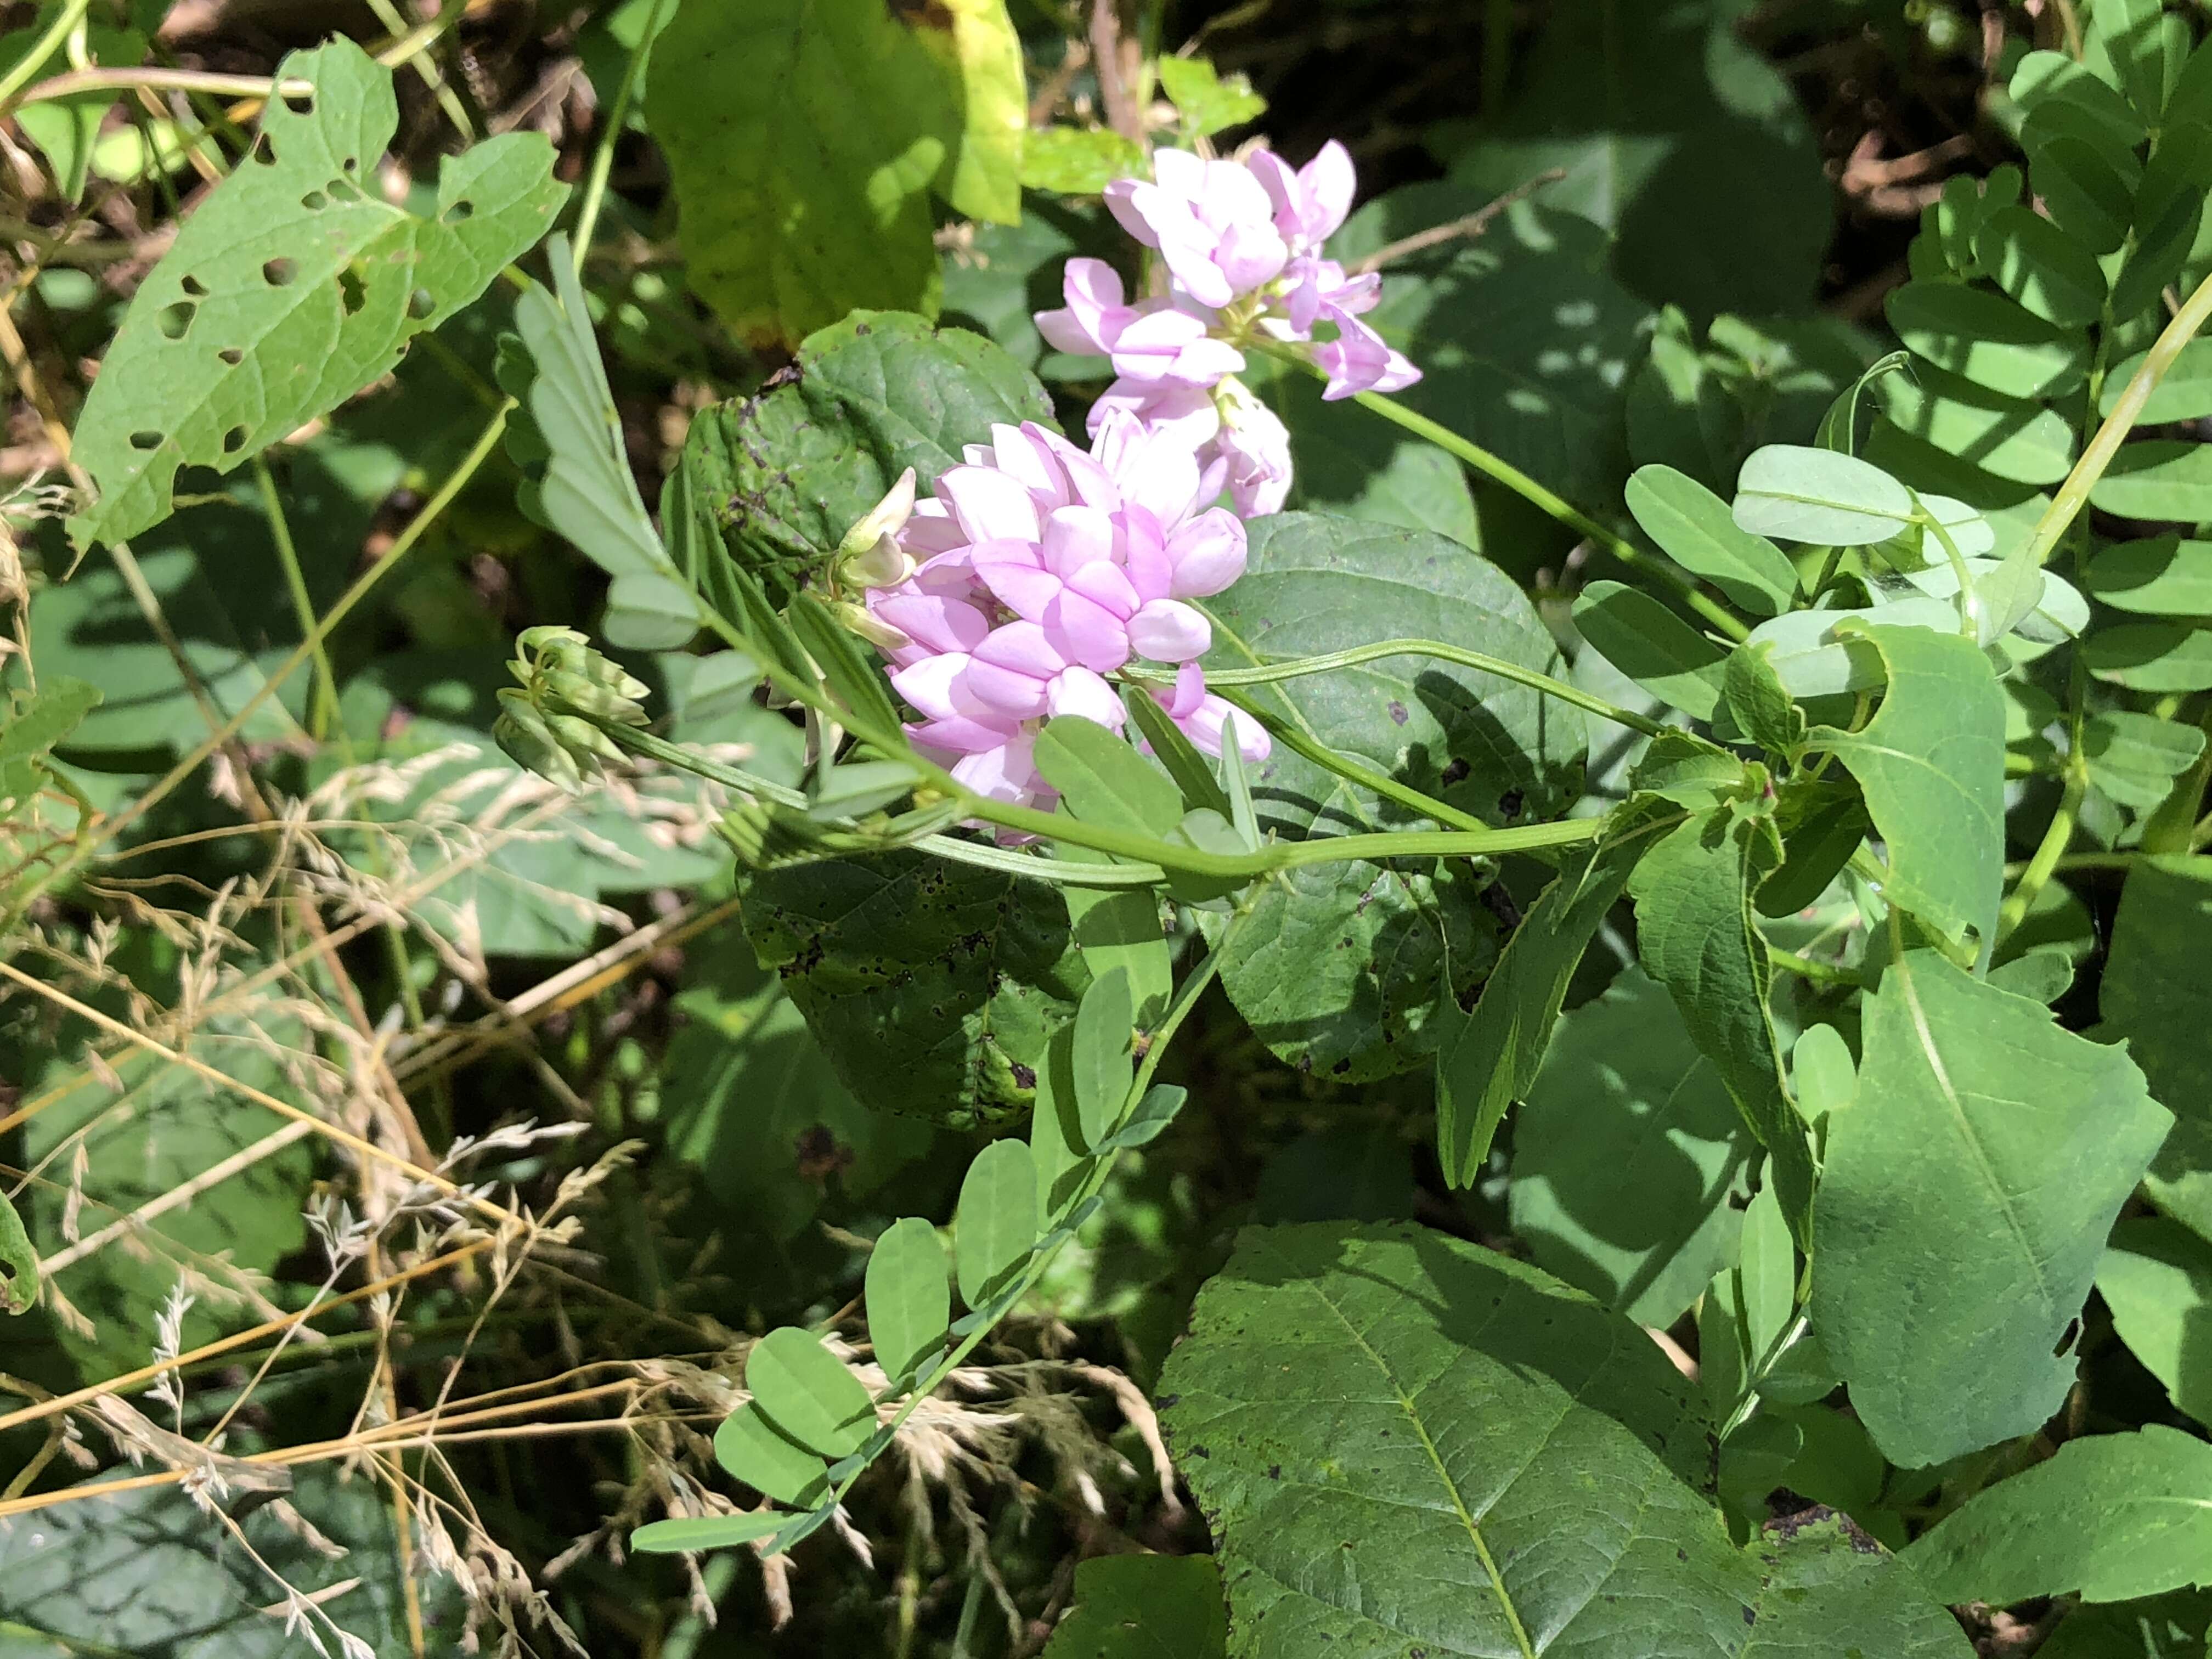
point(196, 289)
point(145, 440)
point(314, 201)
point(300, 103)
point(278, 273)
point(421, 303)
point(232, 356)
point(264, 151)
point(2067, 1339)
point(174, 320)
point(458, 213)
point(353, 292)
point(352, 164)
point(234, 439)
point(343, 189)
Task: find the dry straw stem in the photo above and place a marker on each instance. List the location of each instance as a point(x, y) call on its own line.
point(345, 1138)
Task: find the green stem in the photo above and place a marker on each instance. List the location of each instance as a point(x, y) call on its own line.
point(603, 153)
point(432, 511)
point(2048, 852)
point(1185, 999)
point(1504, 473)
point(2074, 494)
point(1295, 667)
point(44, 48)
point(326, 684)
point(1302, 741)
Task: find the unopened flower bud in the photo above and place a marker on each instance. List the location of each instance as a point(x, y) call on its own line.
point(859, 619)
point(886, 518)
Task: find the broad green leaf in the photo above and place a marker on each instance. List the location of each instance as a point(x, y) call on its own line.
point(2111, 1517)
point(804, 139)
point(998, 1222)
point(2163, 478)
point(1206, 102)
point(764, 1459)
point(2087, 186)
point(1758, 702)
point(293, 286)
point(19, 1260)
point(1988, 339)
point(1103, 780)
point(1767, 1274)
point(166, 1130)
point(1652, 645)
point(1077, 161)
point(1661, 118)
point(1486, 1463)
point(1099, 1056)
point(786, 474)
point(2184, 393)
point(585, 490)
point(2042, 79)
point(2158, 657)
point(2008, 438)
point(1822, 824)
point(1524, 341)
point(2121, 45)
point(2156, 1277)
point(1353, 465)
point(2135, 758)
point(149, 1573)
point(751, 1102)
point(1114, 929)
point(705, 1532)
point(1696, 936)
point(2156, 993)
point(1931, 763)
point(1625, 1155)
point(1489, 1058)
point(806, 1393)
point(909, 1297)
point(2050, 275)
point(1806, 495)
point(1703, 407)
point(1151, 1118)
point(2171, 1627)
point(2162, 576)
point(1692, 526)
point(1979, 1167)
point(1144, 1607)
point(1338, 969)
point(930, 986)
point(38, 722)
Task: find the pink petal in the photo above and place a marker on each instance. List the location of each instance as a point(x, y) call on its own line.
point(1203, 726)
point(1251, 256)
point(1168, 630)
point(1024, 589)
point(1083, 631)
point(1327, 183)
point(1189, 690)
point(1080, 692)
point(1185, 413)
point(989, 504)
point(1144, 553)
point(941, 624)
point(1104, 582)
point(1005, 692)
point(1007, 773)
point(1023, 648)
point(932, 529)
point(961, 736)
point(933, 685)
point(1207, 554)
point(1285, 192)
point(1074, 536)
point(1123, 202)
point(1095, 311)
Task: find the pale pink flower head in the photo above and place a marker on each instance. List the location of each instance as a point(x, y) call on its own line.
point(1253, 449)
point(1204, 716)
point(1212, 223)
point(1155, 343)
point(1037, 571)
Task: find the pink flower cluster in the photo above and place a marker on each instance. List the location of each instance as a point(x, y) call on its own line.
point(1036, 571)
point(1242, 245)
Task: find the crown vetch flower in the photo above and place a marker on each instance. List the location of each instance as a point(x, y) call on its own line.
point(1036, 570)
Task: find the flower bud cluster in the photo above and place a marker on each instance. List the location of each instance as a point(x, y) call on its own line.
point(1241, 244)
point(541, 726)
point(1036, 571)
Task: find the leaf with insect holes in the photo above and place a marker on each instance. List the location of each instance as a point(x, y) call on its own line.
point(293, 286)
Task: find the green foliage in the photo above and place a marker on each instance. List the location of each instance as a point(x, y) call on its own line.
point(1333, 1374)
point(2156, 1277)
point(1985, 1154)
point(785, 475)
point(1337, 971)
point(805, 139)
point(1144, 1607)
point(292, 287)
point(1626, 1155)
point(2111, 1517)
point(930, 986)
